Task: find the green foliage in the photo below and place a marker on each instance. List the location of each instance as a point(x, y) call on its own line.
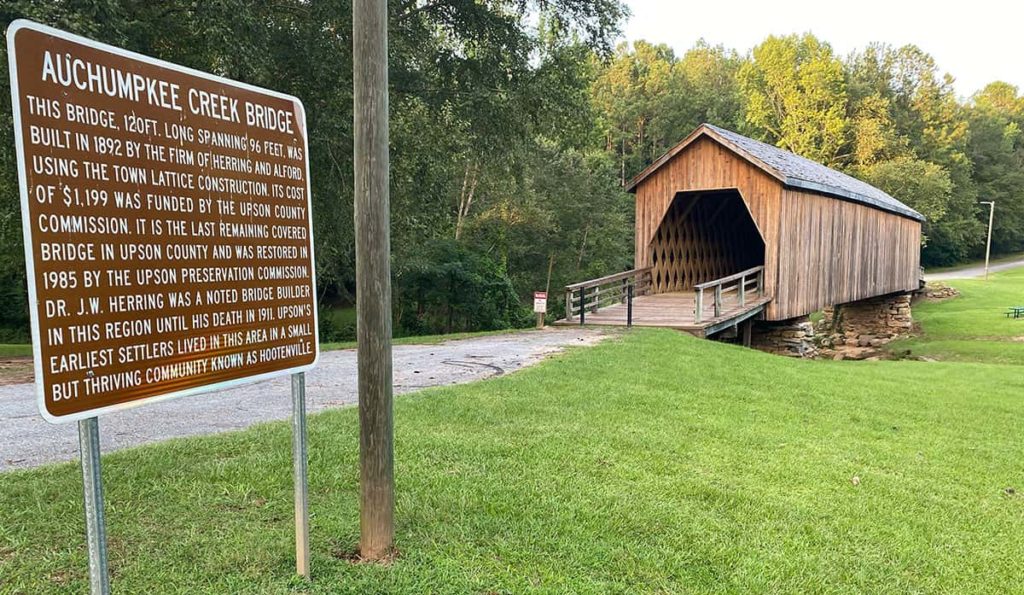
point(514, 124)
point(795, 94)
point(647, 99)
point(447, 287)
point(997, 151)
point(921, 185)
point(884, 114)
point(481, 92)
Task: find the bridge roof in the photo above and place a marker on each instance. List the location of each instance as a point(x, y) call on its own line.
point(790, 169)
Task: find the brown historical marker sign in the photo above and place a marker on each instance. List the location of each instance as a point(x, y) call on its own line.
point(168, 234)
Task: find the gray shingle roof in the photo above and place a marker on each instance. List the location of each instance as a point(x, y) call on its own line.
point(802, 173)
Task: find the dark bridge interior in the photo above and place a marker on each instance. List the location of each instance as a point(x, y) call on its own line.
point(704, 236)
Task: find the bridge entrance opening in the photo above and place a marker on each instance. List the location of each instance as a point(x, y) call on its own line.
point(704, 236)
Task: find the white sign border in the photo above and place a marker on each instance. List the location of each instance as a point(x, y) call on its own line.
point(12, 30)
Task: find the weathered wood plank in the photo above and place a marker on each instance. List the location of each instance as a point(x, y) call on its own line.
point(670, 310)
point(817, 250)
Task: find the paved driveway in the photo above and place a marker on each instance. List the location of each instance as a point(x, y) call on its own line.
point(973, 271)
point(26, 440)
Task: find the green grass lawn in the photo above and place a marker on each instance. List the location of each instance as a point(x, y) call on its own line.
point(974, 326)
point(652, 463)
point(15, 350)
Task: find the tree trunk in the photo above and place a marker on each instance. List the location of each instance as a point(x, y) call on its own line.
point(551, 266)
point(583, 247)
point(469, 180)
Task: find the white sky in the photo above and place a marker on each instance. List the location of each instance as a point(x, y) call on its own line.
point(978, 41)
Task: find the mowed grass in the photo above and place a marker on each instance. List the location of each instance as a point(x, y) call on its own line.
point(973, 326)
point(15, 350)
point(651, 463)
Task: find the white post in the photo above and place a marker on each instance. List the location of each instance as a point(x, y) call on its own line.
point(300, 470)
point(988, 245)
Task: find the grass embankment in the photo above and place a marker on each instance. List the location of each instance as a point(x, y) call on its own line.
point(973, 326)
point(654, 463)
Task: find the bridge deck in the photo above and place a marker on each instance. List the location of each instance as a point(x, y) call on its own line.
point(676, 310)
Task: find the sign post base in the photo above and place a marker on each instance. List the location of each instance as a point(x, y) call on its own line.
point(92, 488)
point(300, 465)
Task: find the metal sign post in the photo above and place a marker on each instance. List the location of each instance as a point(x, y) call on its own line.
point(540, 306)
point(300, 462)
point(168, 233)
point(92, 488)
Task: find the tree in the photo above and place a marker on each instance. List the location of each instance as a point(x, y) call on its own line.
point(923, 186)
point(630, 94)
point(646, 99)
point(795, 93)
point(476, 88)
point(996, 150)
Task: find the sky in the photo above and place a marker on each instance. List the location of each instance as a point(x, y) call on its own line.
point(978, 44)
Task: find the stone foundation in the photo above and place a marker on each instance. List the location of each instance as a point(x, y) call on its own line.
point(867, 323)
point(939, 291)
point(793, 338)
point(849, 331)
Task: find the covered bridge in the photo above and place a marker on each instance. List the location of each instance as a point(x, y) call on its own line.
point(730, 229)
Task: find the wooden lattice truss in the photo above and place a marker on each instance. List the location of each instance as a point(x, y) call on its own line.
point(703, 236)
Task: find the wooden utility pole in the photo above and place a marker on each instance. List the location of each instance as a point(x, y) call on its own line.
point(373, 277)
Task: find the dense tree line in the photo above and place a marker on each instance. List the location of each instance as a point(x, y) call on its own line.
point(886, 115)
point(497, 188)
point(515, 122)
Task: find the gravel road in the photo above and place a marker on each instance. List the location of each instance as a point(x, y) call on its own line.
point(26, 440)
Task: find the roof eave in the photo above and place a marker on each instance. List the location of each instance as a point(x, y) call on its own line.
point(798, 183)
point(650, 169)
point(853, 196)
point(702, 130)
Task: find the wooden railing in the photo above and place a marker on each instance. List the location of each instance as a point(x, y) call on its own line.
point(620, 288)
point(744, 283)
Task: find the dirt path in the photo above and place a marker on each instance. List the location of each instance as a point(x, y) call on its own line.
point(973, 271)
point(26, 440)
point(16, 370)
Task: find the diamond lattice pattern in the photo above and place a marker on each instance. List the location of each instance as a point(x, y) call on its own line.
point(703, 237)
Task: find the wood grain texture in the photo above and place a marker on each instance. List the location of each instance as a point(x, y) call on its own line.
point(674, 310)
point(817, 250)
point(373, 278)
point(703, 236)
point(836, 252)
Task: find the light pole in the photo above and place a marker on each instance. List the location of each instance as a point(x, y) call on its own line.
point(988, 246)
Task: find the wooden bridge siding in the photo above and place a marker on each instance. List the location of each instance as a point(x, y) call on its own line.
point(836, 251)
point(707, 165)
